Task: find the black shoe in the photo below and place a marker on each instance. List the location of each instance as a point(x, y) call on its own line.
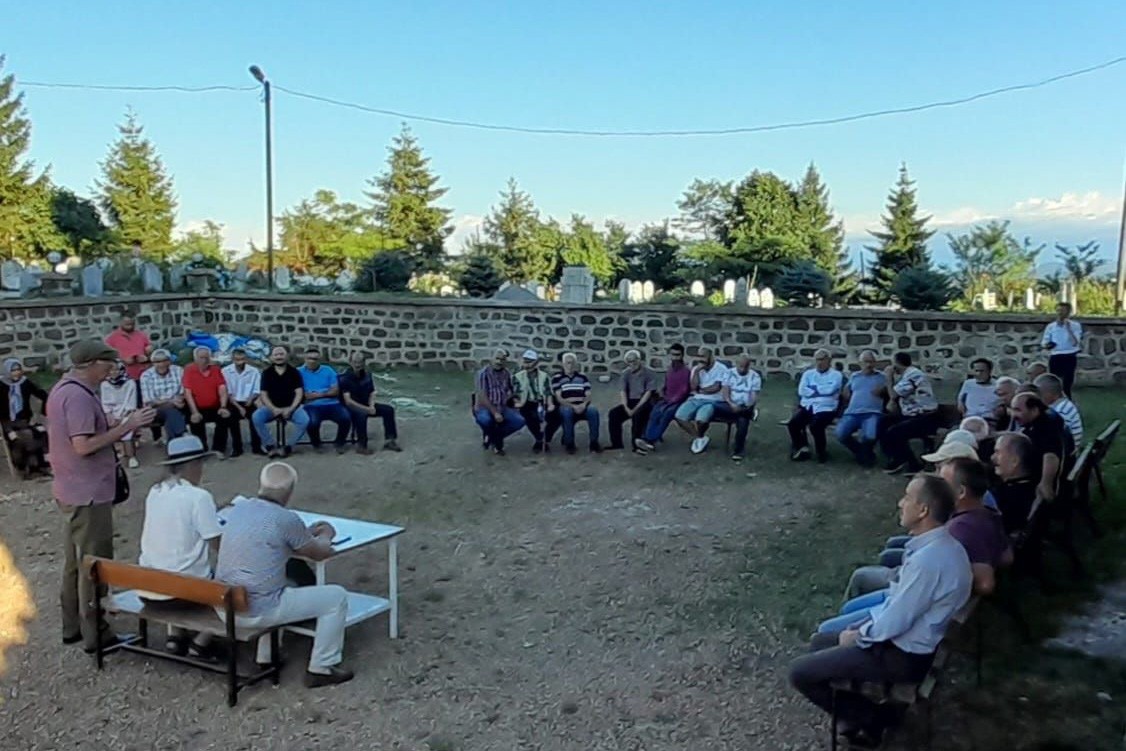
point(392, 445)
point(801, 455)
point(537, 447)
point(287, 451)
point(72, 639)
point(570, 448)
point(341, 449)
point(203, 653)
point(596, 448)
point(822, 458)
point(258, 451)
point(335, 675)
point(236, 453)
point(498, 450)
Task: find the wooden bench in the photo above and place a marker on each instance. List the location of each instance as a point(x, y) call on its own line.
point(193, 608)
point(905, 694)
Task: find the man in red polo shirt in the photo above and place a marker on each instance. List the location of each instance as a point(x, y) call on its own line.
point(205, 391)
point(133, 347)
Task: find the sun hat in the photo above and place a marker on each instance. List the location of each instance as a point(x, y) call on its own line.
point(961, 436)
point(186, 448)
point(948, 451)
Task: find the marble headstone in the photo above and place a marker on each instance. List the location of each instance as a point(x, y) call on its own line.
point(766, 298)
point(29, 280)
point(753, 300)
point(10, 275)
point(635, 294)
point(345, 281)
point(282, 279)
point(93, 280)
point(648, 289)
point(624, 291)
point(741, 291)
point(577, 285)
point(697, 288)
point(176, 276)
point(729, 290)
point(152, 279)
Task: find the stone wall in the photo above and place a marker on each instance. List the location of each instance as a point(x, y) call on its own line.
point(460, 334)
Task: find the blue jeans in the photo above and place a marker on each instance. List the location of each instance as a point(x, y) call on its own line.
point(696, 409)
point(569, 417)
point(853, 612)
point(868, 426)
point(174, 423)
point(495, 432)
point(659, 420)
point(263, 417)
point(335, 412)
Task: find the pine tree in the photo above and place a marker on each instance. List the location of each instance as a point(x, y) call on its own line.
point(825, 234)
point(136, 192)
point(480, 277)
point(26, 229)
point(403, 202)
point(511, 228)
point(903, 241)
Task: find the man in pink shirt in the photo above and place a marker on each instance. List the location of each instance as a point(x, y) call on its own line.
point(133, 347)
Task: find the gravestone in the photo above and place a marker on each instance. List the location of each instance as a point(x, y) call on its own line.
point(56, 285)
point(648, 289)
point(577, 285)
point(624, 291)
point(697, 288)
point(741, 291)
point(766, 298)
point(728, 290)
point(202, 280)
point(10, 275)
point(753, 299)
point(988, 300)
point(152, 279)
point(29, 281)
point(176, 276)
point(345, 281)
point(635, 292)
point(514, 293)
point(1030, 299)
point(282, 279)
point(540, 290)
point(93, 280)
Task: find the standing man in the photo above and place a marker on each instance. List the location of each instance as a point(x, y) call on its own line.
point(322, 400)
point(694, 415)
point(638, 387)
point(280, 399)
point(532, 393)
point(740, 394)
point(162, 389)
point(914, 397)
point(572, 393)
point(205, 392)
point(85, 470)
point(678, 384)
point(819, 395)
point(491, 410)
point(978, 395)
point(133, 346)
point(244, 381)
point(864, 394)
point(1063, 338)
point(358, 391)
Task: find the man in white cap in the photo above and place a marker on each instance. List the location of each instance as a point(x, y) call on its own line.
point(181, 528)
point(531, 391)
point(952, 449)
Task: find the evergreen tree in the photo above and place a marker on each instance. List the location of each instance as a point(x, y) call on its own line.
point(704, 208)
point(902, 244)
point(403, 200)
point(77, 219)
point(480, 277)
point(988, 257)
point(585, 246)
point(654, 254)
point(26, 229)
point(136, 191)
point(511, 228)
point(826, 234)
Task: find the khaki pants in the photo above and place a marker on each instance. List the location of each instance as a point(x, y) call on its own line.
point(87, 530)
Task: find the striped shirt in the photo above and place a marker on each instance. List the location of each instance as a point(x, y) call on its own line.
point(496, 384)
point(1067, 410)
point(916, 395)
point(160, 388)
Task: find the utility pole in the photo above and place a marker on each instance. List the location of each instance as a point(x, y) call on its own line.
point(260, 77)
point(1120, 280)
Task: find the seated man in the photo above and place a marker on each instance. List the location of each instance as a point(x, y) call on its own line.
point(205, 393)
point(259, 537)
point(572, 394)
point(694, 415)
point(244, 382)
point(1035, 370)
point(181, 527)
point(977, 527)
point(1015, 463)
point(913, 398)
point(162, 389)
point(864, 394)
point(322, 400)
point(678, 384)
point(895, 641)
point(978, 395)
point(532, 394)
point(1051, 393)
point(740, 394)
point(26, 439)
point(492, 403)
point(639, 387)
point(358, 390)
point(280, 399)
point(819, 395)
point(1006, 389)
point(1049, 438)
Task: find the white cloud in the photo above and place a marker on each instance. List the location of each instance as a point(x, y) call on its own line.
point(464, 227)
point(1089, 206)
point(961, 216)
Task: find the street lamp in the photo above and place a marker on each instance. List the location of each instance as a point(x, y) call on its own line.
point(260, 77)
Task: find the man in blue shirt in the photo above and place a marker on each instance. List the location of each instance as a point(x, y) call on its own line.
point(864, 395)
point(896, 640)
point(322, 400)
point(358, 391)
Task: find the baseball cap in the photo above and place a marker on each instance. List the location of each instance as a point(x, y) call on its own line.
point(530, 355)
point(91, 350)
point(948, 451)
point(961, 436)
point(160, 354)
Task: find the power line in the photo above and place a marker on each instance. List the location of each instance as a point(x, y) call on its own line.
point(452, 122)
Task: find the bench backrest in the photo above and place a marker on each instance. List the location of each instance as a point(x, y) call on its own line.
point(1082, 468)
point(189, 588)
point(1107, 436)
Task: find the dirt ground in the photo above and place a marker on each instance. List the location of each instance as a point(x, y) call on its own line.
point(556, 602)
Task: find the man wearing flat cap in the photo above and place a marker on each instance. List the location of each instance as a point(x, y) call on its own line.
point(85, 465)
point(531, 388)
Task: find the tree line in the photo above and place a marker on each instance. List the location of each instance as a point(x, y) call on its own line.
point(775, 232)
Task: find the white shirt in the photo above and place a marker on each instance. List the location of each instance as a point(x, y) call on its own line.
point(744, 388)
point(1062, 334)
point(244, 386)
point(179, 520)
point(820, 392)
point(717, 374)
point(980, 399)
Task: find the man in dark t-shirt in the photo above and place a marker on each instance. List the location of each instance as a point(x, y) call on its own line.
point(357, 391)
point(281, 395)
point(1015, 461)
point(1050, 438)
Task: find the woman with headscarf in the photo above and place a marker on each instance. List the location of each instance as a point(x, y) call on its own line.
point(119, 398)
point(26, 441)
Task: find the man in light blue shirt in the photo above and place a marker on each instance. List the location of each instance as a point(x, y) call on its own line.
point(322, 400)
point(895, 641)
point(864, 394)
point(819, 394)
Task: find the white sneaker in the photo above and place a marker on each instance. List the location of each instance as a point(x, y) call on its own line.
point(133, 463)
point(699, 444)
point(704, 443)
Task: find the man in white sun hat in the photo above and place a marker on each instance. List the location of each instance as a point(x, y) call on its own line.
point(950, 449)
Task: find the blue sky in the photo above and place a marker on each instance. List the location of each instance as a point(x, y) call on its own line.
point(1051, 159)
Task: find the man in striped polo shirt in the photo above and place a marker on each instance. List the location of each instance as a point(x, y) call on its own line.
point(1051, 391)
